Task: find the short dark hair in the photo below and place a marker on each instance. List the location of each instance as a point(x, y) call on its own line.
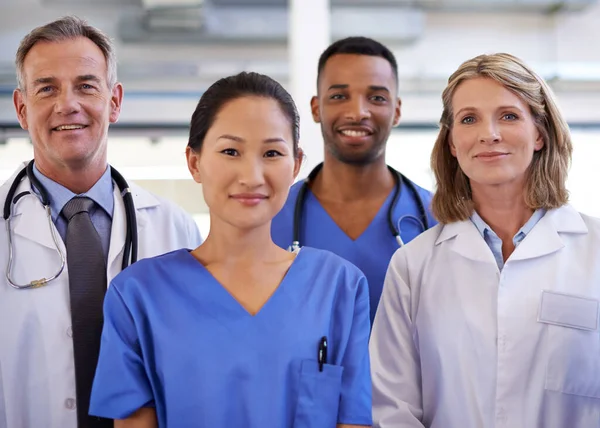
point(357, 46)
point(231, 88)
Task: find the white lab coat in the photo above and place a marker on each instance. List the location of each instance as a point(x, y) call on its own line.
point(458, 344)
point(37, 373)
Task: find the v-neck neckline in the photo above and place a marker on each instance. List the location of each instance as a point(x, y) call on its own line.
point(383, 209)
point(228, 299)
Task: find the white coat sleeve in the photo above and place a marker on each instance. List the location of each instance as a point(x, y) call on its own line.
point(395, 364)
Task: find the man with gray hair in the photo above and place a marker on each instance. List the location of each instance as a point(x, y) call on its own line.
point(67, 96)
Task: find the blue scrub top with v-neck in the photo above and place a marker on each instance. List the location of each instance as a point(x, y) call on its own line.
point(175, 339)
point(371, 251)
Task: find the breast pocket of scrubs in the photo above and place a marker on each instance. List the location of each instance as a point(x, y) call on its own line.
point(574, 343)
point(318, 395)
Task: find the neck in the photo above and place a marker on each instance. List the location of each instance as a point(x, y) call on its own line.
point(77, 179)
point(231, 245)
point(503, 209)
point(342, 182)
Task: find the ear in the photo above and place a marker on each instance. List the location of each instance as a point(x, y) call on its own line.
point(451, 144)
point(116, 98)
point(314, 108)
point(397, 111)
point(539, 142)
point(298, 162)
point(193, 161)
point(20, 107)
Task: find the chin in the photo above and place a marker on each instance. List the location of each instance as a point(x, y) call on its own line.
point(495, 180)
point(354, 158)
point(249, 223)
point(77, 159)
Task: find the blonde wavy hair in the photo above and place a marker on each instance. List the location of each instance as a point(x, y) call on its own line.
point(547, 174)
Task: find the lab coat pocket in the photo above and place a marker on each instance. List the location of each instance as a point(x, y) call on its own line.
point(318, 395)
point(573, 343)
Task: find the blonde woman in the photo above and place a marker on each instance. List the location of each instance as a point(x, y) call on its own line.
point(490, 319)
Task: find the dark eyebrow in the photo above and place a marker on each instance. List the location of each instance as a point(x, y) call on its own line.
point(231, 137)
point(464, 109)
point(510, 107)
point(88, 77)
point(43, 81)
point(275, 140)
point(83, 78)
point(379, 88)
point(371, 87)
point(471, 109)
point(241, 140)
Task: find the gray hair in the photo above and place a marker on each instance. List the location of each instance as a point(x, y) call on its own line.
point(67, 28)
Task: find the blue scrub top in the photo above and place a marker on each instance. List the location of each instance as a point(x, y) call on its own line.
point(372, 251)
point(176, 340)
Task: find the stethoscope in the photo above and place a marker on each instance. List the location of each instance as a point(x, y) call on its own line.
point(423, 222)
point(131, 237)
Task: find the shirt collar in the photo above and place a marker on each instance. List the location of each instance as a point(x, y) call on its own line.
point(484, 229)
point(101, 193)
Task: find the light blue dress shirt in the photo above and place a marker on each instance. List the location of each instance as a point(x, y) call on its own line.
point(495, 243)
point(101, 213)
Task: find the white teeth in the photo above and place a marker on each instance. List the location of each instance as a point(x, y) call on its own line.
point(351, 133)
point(68, 127)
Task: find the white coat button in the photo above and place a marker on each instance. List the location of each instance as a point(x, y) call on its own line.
point(502, 343)
point(501, 415)
point(70, 331)
point(70, 403)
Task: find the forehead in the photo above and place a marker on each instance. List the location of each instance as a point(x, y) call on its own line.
point(481, 92)
point(254, 117)
point(53, 59)
point(357, 71)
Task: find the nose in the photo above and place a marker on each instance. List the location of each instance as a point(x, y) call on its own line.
point(251, 174)
point(357, 110)
point(489, 133)
point(66, 103)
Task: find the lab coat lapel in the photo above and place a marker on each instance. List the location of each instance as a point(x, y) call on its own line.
point(29, 220)
point(117, 234)
point(545, 237)
point(464, 239)
point(142, 200)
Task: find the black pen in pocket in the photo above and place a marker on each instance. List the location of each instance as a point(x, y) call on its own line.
point(322, 354)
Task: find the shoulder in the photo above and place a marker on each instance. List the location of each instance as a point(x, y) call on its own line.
point(425, 194)
point(417, 251)
point(146, 273)
point(156, 205)
point(293, 194)
point(5, 186)
point(426, 197)
point(425, 241)
point(161, 211)
point(568, 219)
point(295, 189)
point(281, 225)
point(592, 223)
point(333, 269)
